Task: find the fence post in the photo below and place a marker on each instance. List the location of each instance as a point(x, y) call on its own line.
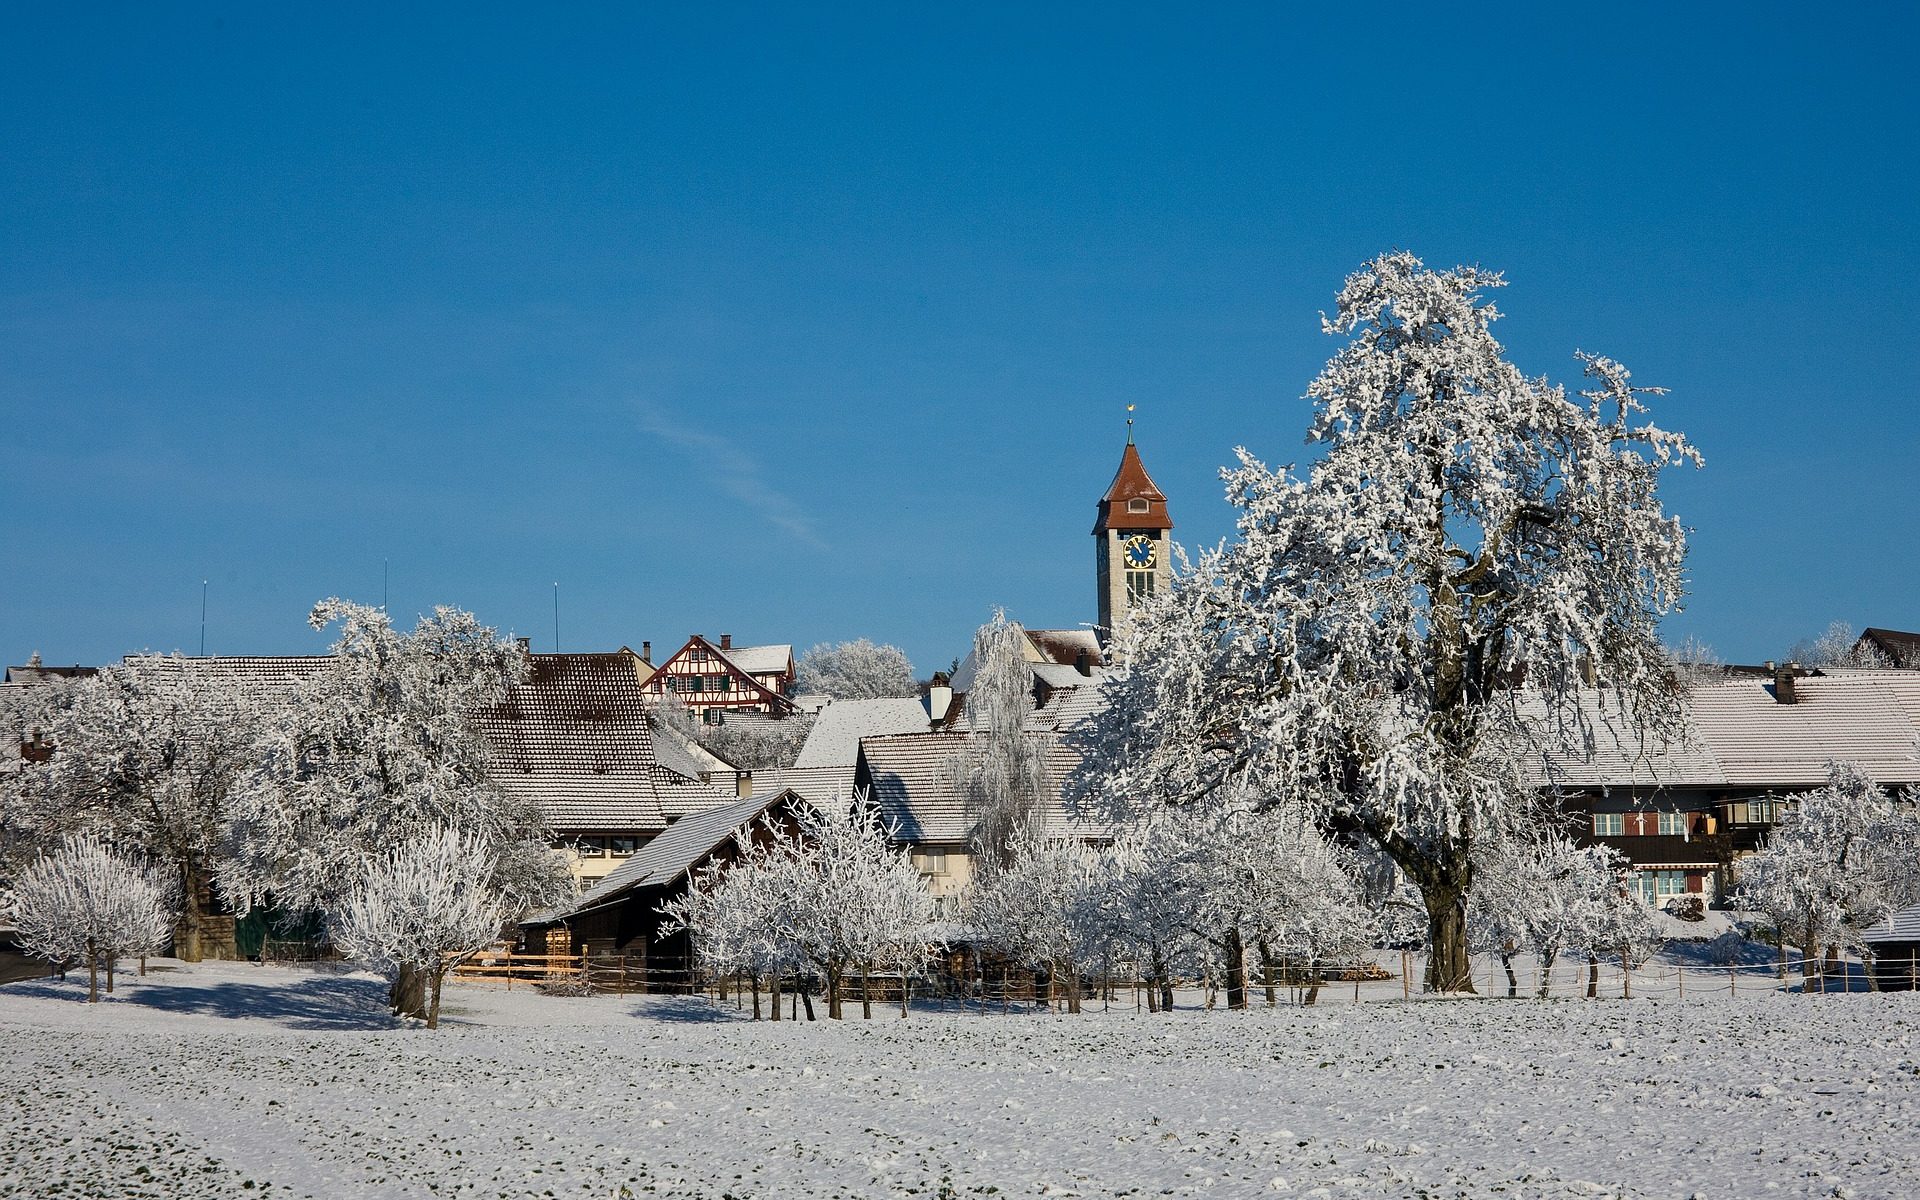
point(1626, 979)
point(1730, 979)
point(1680, 977)
point(1913, 976)
point(1406, 975)
point(1356, 987)
point(509, 970)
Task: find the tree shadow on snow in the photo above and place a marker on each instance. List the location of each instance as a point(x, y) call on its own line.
point(311, 1002)
point(690, 1010)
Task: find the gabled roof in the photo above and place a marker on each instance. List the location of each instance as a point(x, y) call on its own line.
point(37, 673)
point(826, 788)
point(834, 740)
point(1900, 648)
point(915, 780)
point(730, 658)
point(577, 738)
point(1738, 736)
point(664, 859)
point(762, 660)
point(1131, 482)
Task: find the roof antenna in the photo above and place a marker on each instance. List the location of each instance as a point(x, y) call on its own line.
point(556, 616)
point(203, 618)
point(1129, 426)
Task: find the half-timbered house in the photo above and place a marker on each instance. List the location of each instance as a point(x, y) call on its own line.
point(712, 678)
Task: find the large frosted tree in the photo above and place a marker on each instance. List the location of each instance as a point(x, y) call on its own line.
point(381, 748)
point(855, 670)
point(1464, 535)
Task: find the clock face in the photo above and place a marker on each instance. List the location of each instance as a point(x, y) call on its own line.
point(1140, 552)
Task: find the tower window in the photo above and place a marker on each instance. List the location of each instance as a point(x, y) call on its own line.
point(1139, 586)
point(1138, 506)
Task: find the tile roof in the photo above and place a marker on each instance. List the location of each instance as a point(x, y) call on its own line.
point(914, 778)
point(680, 847)
point(577, 738)
point(1900, 647)
point(1738, 736)
point(1901, 926)
point(834, 740)
point(760, 660)
point(824, 787)
point(1131, 482)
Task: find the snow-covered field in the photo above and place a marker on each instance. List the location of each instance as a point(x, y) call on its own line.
point(236, 1080)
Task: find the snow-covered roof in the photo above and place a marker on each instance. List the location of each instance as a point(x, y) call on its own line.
point(577, 738)
point(834, 740)
point(823, 787)
point(663, 859)
point(915, 780)
point(1738, 736)
point(760, 660)
point(1902, 926)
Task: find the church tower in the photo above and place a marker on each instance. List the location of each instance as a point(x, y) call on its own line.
point(1132, 546)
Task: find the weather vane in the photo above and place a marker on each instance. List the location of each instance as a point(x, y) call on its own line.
point(1129, 425)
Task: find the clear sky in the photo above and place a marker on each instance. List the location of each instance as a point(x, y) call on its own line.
point(810, 322)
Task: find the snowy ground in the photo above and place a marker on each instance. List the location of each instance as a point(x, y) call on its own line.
point(231, 1080)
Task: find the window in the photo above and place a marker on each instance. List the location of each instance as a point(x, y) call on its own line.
point(670, 684)
point(933, 862)
point(1673, 824)
point(696, 683)
point(723, 683)
point(620, 847)
point(592, 847)
point(1139, 586)
point(1609, 824)
point(1138, 505)
point(1654, 887)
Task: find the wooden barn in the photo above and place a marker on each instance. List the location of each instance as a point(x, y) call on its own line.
point(618, 925)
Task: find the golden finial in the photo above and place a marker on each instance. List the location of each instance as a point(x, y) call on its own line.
point(1129, 426)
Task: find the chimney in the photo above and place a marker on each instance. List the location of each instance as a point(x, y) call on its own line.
point(1083, 663)
point(743, 785)
point(939, 697)
point(646, 653)
point(726, 641)
point(1783, 683)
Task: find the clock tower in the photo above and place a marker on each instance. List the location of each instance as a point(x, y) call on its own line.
point(1132, 547)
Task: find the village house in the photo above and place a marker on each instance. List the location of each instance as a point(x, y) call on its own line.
point(712, 679)
point(1684, 813)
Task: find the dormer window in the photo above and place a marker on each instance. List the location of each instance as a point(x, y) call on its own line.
point(1138, 505)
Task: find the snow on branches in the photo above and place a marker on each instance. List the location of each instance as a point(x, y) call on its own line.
point(833, 894)
point(1002, 773)
point(88, 902)
point(422, 905)
point(1842, 858)
point(1357, 651)
point(856, 670)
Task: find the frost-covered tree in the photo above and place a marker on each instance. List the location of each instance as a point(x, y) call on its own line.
point(748, 741)
point(1044, 908)
point(423, 905)
point(34, 813)
point(1151, 892)
point(148, 752)
point(1536, 892)
point(1837, 646)
point(377, 751)
point(836, 895)
point(855, 670)
point(1842, 858)
point(1002, 772)
point(90, 903)
point(1359, 650)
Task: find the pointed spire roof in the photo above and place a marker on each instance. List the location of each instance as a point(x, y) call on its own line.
point(1122, 507)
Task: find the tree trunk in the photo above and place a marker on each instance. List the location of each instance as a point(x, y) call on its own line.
point(1513, 981)
point(1449, 965)
point(1313, 986)
point(866, 991)
point(191, 918)
point(803, 996)
point(1073, 990)
point(1266, 972)
point(903, 992)
point(1546, 973)
point(773, 985)
point(1593, 977)
point(111, 963)
point(753, 979)
point(1236, 950)
point(433, 1005)
point(93, 974)
point(408, 995)
point(833, 994)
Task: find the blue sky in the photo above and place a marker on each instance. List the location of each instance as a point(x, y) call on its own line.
point(806, 325)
